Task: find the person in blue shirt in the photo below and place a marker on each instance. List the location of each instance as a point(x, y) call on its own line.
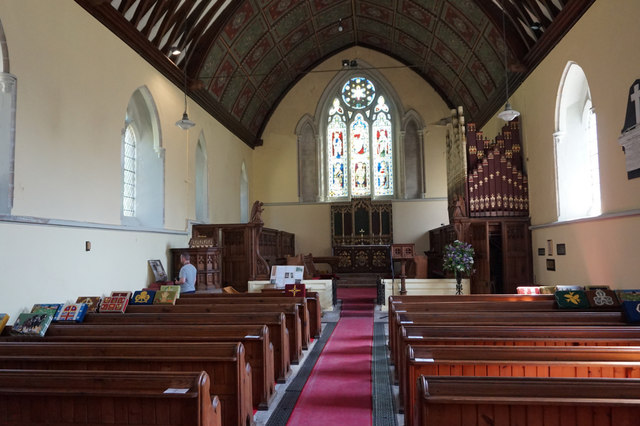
point(187, 276)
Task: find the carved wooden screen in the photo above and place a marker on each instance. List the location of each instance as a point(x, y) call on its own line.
point(361, 222)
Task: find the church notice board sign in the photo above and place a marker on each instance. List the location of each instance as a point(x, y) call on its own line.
point(282, 275)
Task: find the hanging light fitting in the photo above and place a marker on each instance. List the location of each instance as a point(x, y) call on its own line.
point(508, 114)
point(185, 123)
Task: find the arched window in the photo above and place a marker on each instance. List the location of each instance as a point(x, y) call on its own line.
point(244, 195)
point(8, 92)
point(576, 145)
point(142, 163)
point(202, 182)
point(307, 160)
point(359, 142)
point(129, 171)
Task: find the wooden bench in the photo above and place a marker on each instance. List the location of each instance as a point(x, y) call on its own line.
point(500, 318)
point(253, 299)
point(509, 336)
point(313, 304)
point(291, 313)
point(275, 322)
point(224, 363)
point(37, 397)
point(481, 401)
point(487, 361)
point(258, 348)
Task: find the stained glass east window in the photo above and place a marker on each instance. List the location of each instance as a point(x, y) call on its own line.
point(359, 142)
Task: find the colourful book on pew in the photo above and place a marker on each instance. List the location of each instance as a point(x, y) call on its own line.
point(143, 297)
point(32, 324)
point(126, 294)
point(171, 287)
point(631, 310)
point(93, 303)
point(46, 308)
point(602, 298)
point(629, 295)
point(115, 304)
point(528, 290)
point(71, 312)
point(165, 297)
point(4, 318)
point(547, 289)
point(569, 288)
point(597, 287)
point(575, 299)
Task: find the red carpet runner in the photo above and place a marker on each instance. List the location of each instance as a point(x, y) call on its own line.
point(338, 391)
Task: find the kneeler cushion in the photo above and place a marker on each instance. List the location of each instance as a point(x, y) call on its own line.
point(631, 311)
point(574, 299)
point(602, 298)
point(295, 290)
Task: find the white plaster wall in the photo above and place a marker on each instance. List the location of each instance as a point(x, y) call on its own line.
point(604, 44)
point(75, 79)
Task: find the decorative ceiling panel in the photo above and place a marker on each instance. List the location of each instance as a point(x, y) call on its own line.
point(241, 57)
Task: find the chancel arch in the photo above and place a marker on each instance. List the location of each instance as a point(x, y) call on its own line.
point(202, 181)
point(576, 148)
point(142, 163)
point(8, 94)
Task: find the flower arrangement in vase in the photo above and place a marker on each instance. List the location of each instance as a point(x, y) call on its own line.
point(458, 257)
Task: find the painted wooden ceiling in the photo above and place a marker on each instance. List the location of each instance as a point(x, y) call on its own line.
point(242, 56)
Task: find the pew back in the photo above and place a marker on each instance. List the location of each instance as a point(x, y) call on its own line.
point(275, 322)
point(224, 364)
point(484, 361)
point(478, 401)
point(36, 397)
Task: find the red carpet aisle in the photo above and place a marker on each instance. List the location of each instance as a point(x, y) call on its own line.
point(338, 391)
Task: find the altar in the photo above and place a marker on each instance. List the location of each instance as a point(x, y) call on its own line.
point(361, 234)
point(324, 288)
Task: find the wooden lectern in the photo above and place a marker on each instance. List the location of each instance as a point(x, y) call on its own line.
point(402, 252)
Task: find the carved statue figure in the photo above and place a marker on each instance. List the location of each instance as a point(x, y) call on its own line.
point(256, 212)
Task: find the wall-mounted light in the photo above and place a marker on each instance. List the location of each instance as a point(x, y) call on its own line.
point(340, 27)
point(175, 51)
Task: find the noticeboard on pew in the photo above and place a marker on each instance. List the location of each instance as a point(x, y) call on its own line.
point(286, 274)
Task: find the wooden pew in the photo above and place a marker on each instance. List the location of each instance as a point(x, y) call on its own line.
point(37, 397)
point(469, 306)
point(275, 322)
point(510, 336)
point(258, 348)
point(253, 299)
point(500, 318)
point(313, 304)
point(580, 361)
point(224, 363)
point(481, 401)
point(291, 313)
point(470, 297)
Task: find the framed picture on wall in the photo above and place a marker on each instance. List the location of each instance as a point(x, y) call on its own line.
point(550, 247)
point(561, 249)
point(551, 264)
point(541, 251)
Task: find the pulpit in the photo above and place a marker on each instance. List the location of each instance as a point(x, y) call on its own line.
point(361, 235)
